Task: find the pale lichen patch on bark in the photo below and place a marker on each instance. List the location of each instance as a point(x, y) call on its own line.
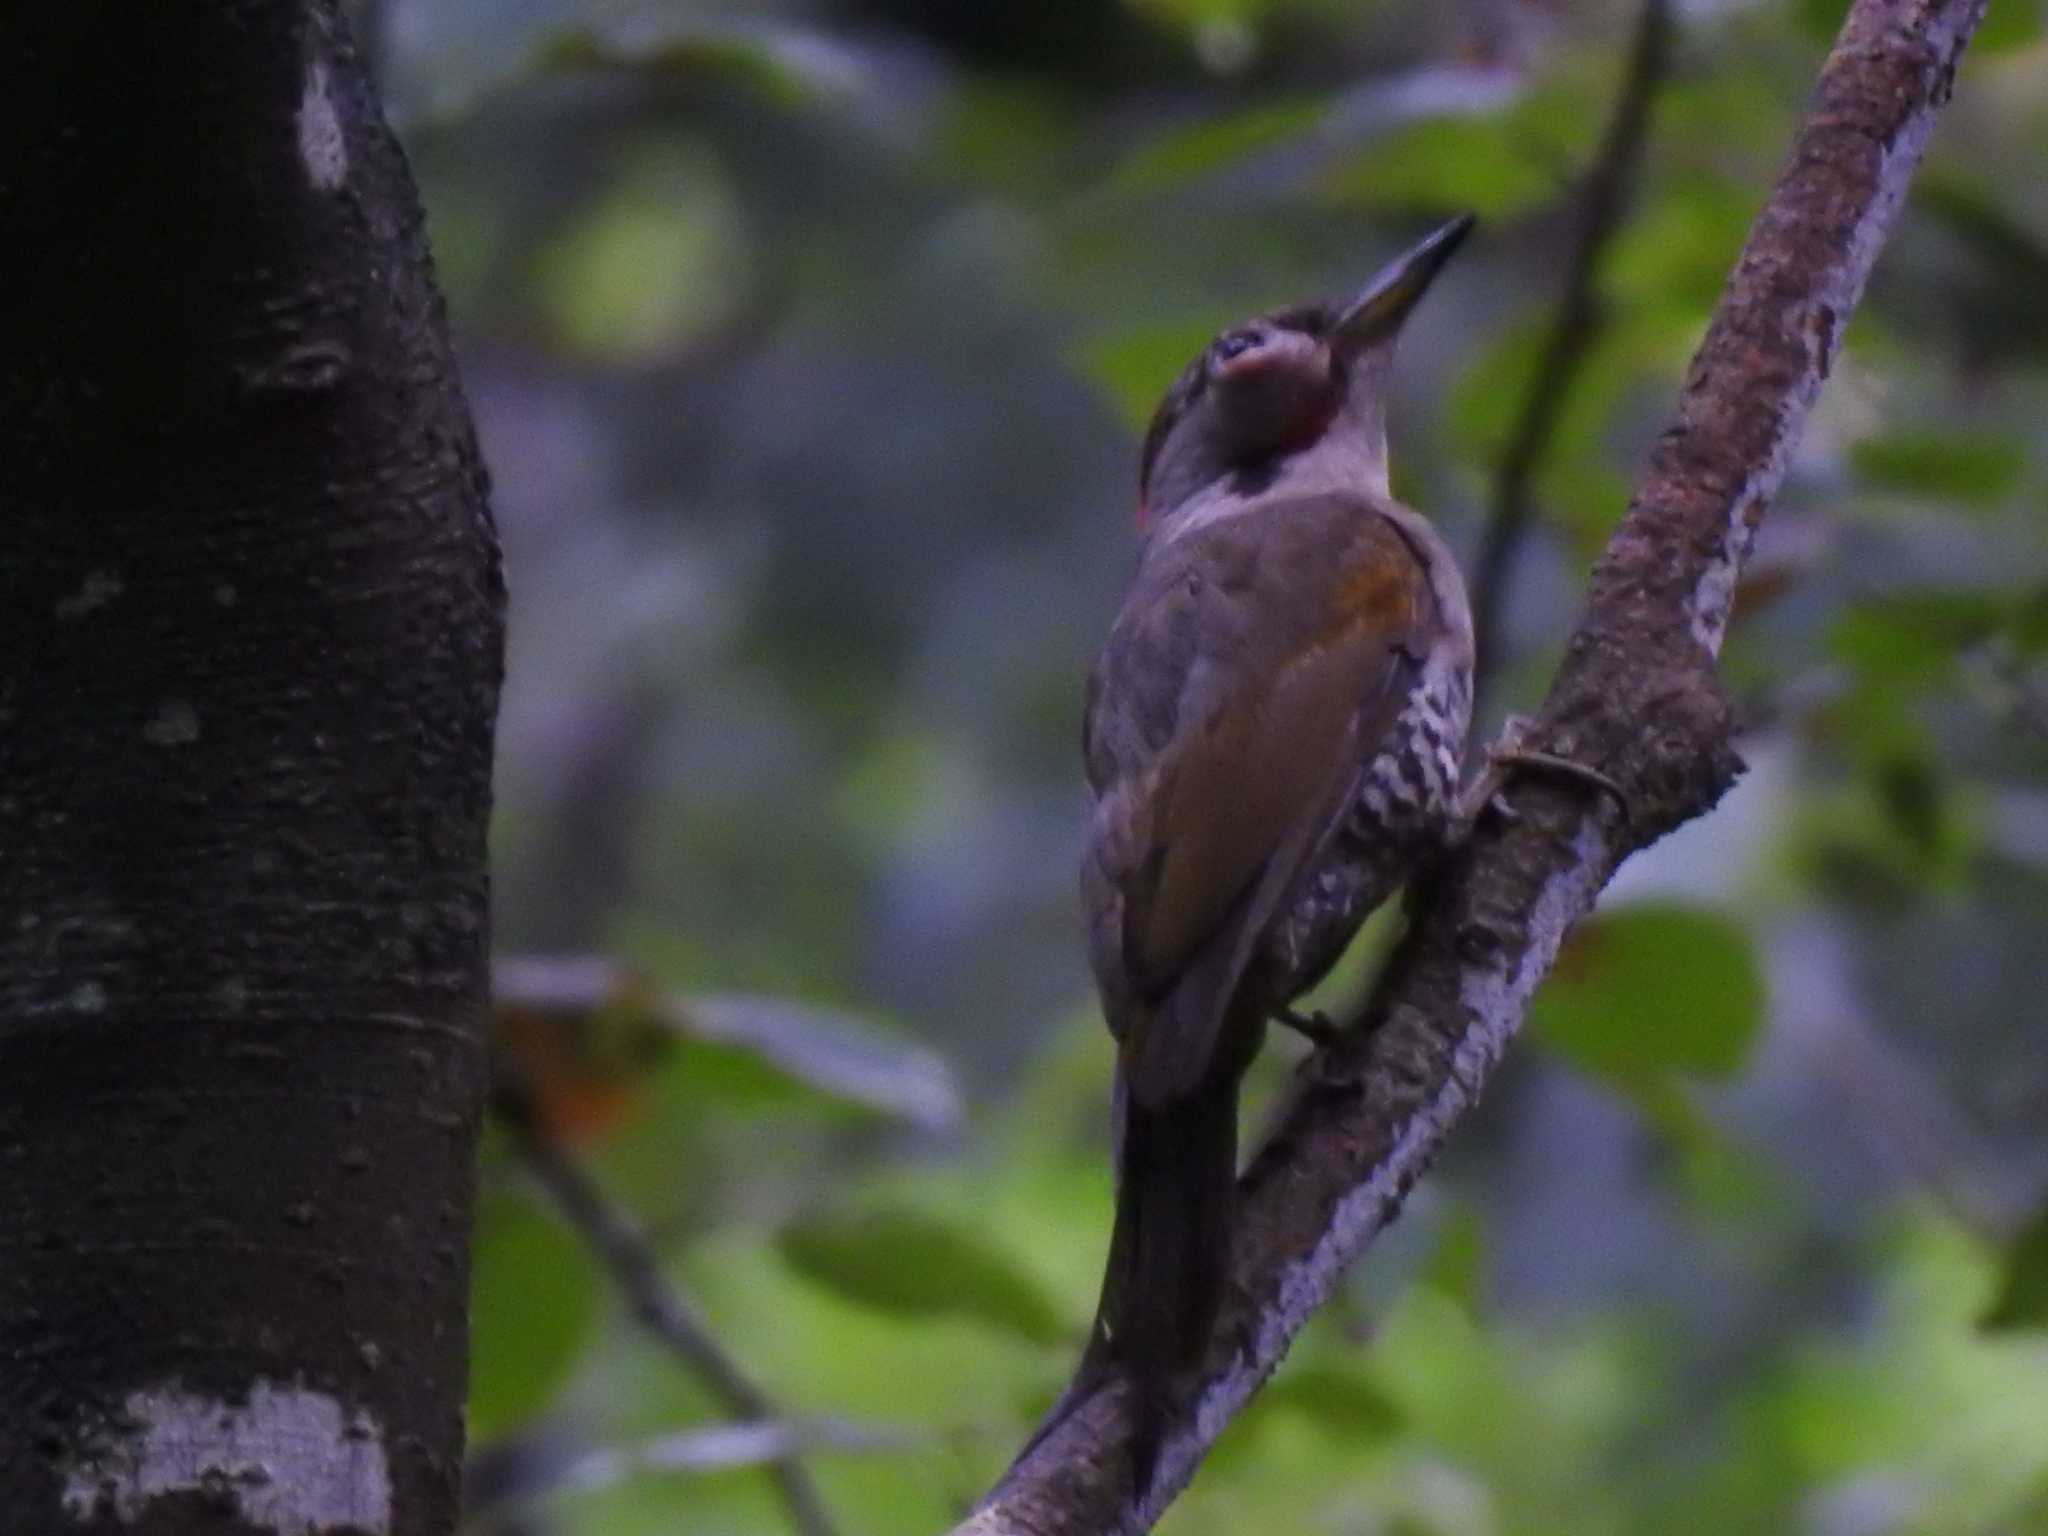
point(175, 724)
point(1497, 996)
point(290, 1460)
point(322, 145)
point(1713, 598)
point(306, 367)
point(97, 590)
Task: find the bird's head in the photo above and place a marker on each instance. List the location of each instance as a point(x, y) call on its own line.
point(1305, 380)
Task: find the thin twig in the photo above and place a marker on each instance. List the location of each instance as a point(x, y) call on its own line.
point(714, 1448)
point(657, 1302)
point(1572, 332)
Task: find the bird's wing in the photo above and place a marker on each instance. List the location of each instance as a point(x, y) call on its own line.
point(1251, 675)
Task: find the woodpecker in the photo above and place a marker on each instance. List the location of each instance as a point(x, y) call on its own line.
point(1273, 736)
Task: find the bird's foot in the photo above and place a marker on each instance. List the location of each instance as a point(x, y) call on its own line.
point(1330, 1069)
point(1323, 1067)
point(1316, 1028)
point(1508, 754)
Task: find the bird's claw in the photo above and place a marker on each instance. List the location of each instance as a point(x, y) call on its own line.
point(1324, 1069)
point(1315, 1027)
point(1507, 754)
point(1319, 1068)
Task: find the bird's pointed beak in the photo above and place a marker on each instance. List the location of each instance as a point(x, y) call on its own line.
point(1376, 314)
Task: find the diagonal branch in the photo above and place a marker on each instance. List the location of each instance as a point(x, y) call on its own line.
point(663, 1309)
point(1637, 697)
point(1572, 332)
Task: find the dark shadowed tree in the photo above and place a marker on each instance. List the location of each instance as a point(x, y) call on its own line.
point(250, 637)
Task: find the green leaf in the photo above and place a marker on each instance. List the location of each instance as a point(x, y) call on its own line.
point(1497, 164)
point(1473, 161)
point(533, 1294)
point(1727, 117)
point(1134, 367)
point(1819, 19)
point(1576, 485)
point(2029, 628)
point(2009, 24)
point(1492, 389)
point(1184, 154)
point(1344, 1401)
point(1195, 13)
point(1724, 1177)
point(913, 1264)
point(1978, 468)
point(1913, 640)
point(785, 66)
point(1896, 831)
point(1651, 989)
point(828, 1051)
point(707, 1076)
point(2022, 1300)
point(1457, 1264)
point(1678, 250)
point(657, 260)
point(1008, 136)
point(1970, 208)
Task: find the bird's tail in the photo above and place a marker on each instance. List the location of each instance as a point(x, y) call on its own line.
point(1169, 1250)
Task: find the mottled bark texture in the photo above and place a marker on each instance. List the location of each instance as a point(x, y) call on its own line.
point(1637, 697)
point(250, 638)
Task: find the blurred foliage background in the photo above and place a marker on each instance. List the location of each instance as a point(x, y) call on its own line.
point(809, 340)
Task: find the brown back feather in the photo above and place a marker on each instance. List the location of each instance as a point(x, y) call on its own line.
point(1236, 705)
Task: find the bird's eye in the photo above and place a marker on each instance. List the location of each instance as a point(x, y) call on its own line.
point(1236, 344)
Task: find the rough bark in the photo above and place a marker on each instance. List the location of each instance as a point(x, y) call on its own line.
point(250, 638)
point(1636, 697)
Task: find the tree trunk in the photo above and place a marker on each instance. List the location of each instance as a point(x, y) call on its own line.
point(250, 639)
